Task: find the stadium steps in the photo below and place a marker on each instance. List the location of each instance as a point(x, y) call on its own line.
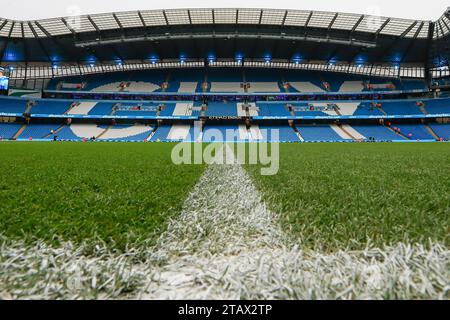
point(283, 81)
point(205, 83)
point(104, 131)
point(151, 134)
point(431, 131)
point(73, 105)
point(341, 132)
point(382, 111)
point(345, 130)
point(30, 105)
point(19, 132)
point(297, 132)
point(423, 110)
point(113, 110)
point(398, 133)
point(54, 132)
point(292, 112)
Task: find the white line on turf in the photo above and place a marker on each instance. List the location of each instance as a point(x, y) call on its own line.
point(225, 245)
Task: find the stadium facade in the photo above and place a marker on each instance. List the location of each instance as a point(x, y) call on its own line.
point(150, 75)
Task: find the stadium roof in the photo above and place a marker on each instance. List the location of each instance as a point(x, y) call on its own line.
point(154, 18)
point(223, 33)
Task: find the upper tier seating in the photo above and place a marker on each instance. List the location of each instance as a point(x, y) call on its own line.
point(186, 81)
point(262, 81)
point(367, 109)
point(272, 110)
point(232, 80)
point(221, 80)
point(11, 105)
point(82, 108)
point(400, 107)
point(51, 106)
point(437, 106)
point(220, 109)
point(136, 109)
point(102, 109)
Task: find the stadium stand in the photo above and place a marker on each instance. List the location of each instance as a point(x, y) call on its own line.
point(11, 105)
point(272, 109)
point(276, 133)
point(156, 92)
point(415, 131)
point(442, 130)
point(51, 107)
point(379, 133)
point(218, 109)
point(38, 131)
point(224, 133)
point(8, 130)
point(319, 133)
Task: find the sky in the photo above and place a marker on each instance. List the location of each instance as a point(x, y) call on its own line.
point(40, 9)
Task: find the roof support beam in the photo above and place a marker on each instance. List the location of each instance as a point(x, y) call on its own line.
point(332, 21)
point(382, 27)
point(69, 27)
point(409, 29)
point(309, 19)
point(165, 17)
point(284, 18)
point(412, 41)
point(58, 44)
point(3, 48)
point(25, 49)
point(3, 24)
point(39, 41)
point(357, 24)
point(94, 25)
point(428, 58)
point(2, 54)
point(189, 17)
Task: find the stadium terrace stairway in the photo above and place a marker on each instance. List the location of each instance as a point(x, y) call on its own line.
point(431, 131)
point(398, 133)
point(21, 130)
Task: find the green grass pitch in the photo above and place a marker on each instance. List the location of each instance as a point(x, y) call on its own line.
point(329, 196)
point(342, 196)
point(115, 192)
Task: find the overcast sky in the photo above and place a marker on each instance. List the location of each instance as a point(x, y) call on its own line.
point(39, 9)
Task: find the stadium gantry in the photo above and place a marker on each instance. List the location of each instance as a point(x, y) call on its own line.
point(150, 75)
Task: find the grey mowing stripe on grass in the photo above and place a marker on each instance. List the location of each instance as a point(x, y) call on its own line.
point(225, 245)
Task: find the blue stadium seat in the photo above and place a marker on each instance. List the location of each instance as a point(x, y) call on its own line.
point(8, 130)
point(11, 105)
point(220, 109)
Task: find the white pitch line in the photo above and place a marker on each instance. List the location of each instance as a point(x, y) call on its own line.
point(225, 244)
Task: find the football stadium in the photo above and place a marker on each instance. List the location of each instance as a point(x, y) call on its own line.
point(327, 134)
